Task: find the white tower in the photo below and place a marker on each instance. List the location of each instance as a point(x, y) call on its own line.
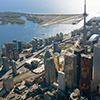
point(84, 15)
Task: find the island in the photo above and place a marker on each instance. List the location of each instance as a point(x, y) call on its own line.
point(42, 19)
point(11, 17)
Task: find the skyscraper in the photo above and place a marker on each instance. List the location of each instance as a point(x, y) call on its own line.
point(78, 52)
point(86, 65)
point(70, 69)
point(61, 36)
point(33, 45)
point(5, 64)
point(15, 41)
point(14, 70)
point(57, 48)
point(96, 65)
point(10, 50)
point(40, 42)
point(56, 59)
point(36, 41)
point(3, 50)
point(0, 54)
point(50, 71)
point(61, 80)
point(0, 59)
point(8, 83)
point(84, 15)
point(20, 46)
point(47, 55)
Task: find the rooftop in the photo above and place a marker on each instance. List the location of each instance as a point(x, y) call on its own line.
point(89, 56)
point(32, 59)
point(94, 37)
point(21, 87)
point(39, 70)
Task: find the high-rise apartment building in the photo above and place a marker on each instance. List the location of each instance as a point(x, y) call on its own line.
point(50, 71)
point(96, 64)
point(20, 46)
point(33, 45)
point(61, 80)
point(8, 83)
point(57, 48)
point(5, 64)
point(70, 68)
point(14, 70)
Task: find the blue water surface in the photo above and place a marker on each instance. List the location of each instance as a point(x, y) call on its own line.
point(29, 30)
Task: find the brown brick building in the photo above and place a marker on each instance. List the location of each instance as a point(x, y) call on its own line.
point(86, 66)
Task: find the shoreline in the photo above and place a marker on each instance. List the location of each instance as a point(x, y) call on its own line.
point(42, 19)
point(70, 20)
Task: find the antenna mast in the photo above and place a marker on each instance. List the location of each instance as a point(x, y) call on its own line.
point(84, 34)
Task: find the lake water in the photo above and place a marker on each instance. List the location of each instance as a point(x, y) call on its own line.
point(29, 30)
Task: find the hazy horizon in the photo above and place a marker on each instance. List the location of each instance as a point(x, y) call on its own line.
point(29, 30)
point(49, 6)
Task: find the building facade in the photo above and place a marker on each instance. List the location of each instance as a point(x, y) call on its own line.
point(33, 45)
point(8, 83)
point(86, 66)
point(5, 64)
point(57, 48)
point(10, 50)
point(70, 69)
point(61, 80)
point(96, 65)
point(78, 52)
point(50, 71)
point(14, 70)
point(20, 46)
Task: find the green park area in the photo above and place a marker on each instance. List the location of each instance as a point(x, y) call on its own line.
point(15, 18)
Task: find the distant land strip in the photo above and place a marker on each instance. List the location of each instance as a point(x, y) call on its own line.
point(42, 19)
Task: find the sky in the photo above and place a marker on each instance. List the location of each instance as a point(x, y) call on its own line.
point(49, 6)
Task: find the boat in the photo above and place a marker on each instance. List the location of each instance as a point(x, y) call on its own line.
point(43, 34)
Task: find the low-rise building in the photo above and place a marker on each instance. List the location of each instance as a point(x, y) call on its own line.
point(39, 70)
point(31, 62)
point(2, 92)
point(30, 81)
point(55, 85)
point(34, 90)
point(20, 88)
point(48, 96)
